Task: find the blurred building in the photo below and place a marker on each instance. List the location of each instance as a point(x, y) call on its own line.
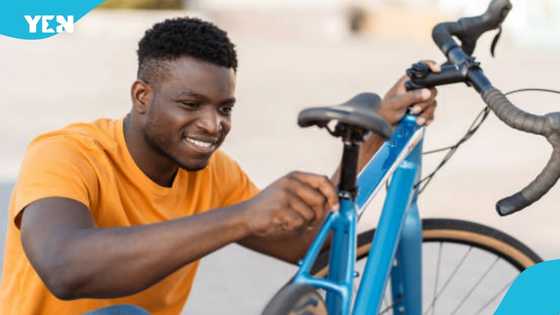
point(531, 23)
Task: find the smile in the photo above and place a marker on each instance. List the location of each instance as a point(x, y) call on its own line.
point(201, 145)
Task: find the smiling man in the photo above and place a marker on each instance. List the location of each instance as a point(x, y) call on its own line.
point(120, 211)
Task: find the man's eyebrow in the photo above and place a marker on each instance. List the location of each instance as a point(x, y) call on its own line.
point(190, 93)
point(229, 100)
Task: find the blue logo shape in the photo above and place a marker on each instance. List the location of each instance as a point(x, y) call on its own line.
point(39, 19)
point(534, 291)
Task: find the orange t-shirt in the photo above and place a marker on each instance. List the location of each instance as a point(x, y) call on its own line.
point(90, 163)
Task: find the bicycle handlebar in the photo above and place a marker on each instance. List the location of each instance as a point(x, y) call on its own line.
point(469, 29)
point(463, 68)
point(548, 126)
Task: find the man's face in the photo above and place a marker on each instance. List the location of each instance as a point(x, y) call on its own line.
point(189, 116)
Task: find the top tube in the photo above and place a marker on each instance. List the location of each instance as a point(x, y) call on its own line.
point(407, 135)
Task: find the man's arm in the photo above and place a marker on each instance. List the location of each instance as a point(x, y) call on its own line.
point(292, 247)
point(75, 259)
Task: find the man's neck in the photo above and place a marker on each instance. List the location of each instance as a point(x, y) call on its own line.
point(153, 164)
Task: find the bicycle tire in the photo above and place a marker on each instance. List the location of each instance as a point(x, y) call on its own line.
point(483, 238)
point(296, 299)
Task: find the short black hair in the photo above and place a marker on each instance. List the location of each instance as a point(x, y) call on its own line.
point(183, 37)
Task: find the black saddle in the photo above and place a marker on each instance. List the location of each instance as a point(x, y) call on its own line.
point(360, 111)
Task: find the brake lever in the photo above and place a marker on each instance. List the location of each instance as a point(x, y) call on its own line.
point(495, 42)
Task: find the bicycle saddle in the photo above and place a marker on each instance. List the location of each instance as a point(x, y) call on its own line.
point(360, 111)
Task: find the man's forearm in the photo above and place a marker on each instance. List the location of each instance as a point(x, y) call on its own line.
point(113, 262)
point(370, 146)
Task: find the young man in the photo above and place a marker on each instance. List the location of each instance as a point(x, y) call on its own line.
point(121, 211)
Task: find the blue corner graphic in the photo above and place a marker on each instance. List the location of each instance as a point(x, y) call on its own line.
point(39, 19)
point(535, 291)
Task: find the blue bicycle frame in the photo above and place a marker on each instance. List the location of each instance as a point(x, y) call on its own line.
point(396, 247)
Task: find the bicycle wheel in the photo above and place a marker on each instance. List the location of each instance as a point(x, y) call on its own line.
point(466, 267)
point(296, 299)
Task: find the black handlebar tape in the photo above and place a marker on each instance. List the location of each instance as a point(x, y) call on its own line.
point(548, 126)
point(513, 116)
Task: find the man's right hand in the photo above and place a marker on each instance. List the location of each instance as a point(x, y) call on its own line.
point(292, 203)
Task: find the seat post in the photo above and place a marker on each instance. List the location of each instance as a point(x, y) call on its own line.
point(348, 170)
point(351, 138)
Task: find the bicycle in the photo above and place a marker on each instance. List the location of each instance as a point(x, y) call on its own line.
point(403, 243)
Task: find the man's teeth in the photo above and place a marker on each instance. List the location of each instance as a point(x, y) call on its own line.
point(199, 143)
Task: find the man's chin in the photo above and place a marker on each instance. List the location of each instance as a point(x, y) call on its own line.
point(194, 166)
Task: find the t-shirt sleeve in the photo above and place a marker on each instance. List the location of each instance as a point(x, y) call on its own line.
point(236, 184)
point(53, 167)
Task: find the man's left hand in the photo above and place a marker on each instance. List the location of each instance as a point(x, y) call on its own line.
point(421, 102)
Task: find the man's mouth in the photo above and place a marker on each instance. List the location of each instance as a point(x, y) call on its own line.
point(203, 146)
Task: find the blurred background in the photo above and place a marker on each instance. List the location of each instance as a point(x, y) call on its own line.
point(294, 54)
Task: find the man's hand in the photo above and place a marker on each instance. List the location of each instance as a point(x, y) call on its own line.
point(296, 201)
point(421, 102)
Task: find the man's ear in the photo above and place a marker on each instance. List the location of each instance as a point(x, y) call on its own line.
point(142, 94)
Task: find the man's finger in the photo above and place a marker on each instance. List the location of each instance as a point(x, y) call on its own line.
point(404, 100)
point(428, 115)
point(434, 67)
point(301, 208)
point(311, 197)
point(434, 92)
point(397, 88)
point(322, 184)
point(292, 220)
point(418, 108)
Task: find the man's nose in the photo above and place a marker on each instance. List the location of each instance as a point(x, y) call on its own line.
point(210, 121)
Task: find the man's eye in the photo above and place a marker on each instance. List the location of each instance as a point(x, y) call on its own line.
point(226, 110)
point(190, 105)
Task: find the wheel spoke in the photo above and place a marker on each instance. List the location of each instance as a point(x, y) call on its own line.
point(386, 310)
point(448, 280)
point(384, 302)
point(386, 299)
point(436, 282)
point(477, 283)
point(389, 307)
point(494, 298)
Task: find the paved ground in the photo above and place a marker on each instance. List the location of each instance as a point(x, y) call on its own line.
point(85, 75)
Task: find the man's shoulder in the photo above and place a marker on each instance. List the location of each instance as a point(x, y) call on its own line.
point(68, 162)
point(99, 134)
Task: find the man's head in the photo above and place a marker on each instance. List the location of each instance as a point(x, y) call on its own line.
point(184, 92)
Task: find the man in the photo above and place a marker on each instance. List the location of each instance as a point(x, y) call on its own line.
point(121, 211)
